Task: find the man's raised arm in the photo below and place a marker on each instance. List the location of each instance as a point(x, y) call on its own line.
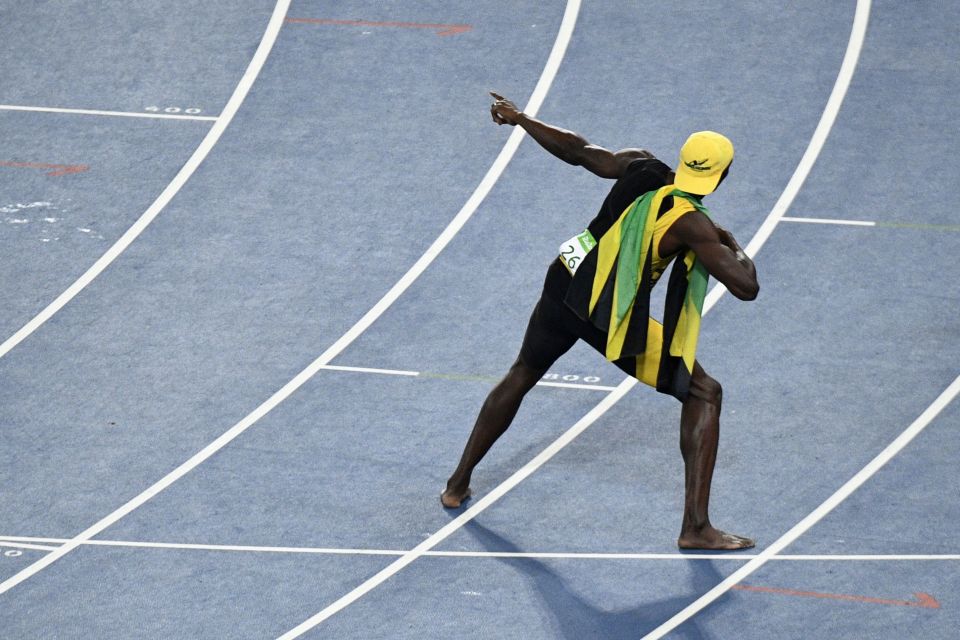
point(570, 147)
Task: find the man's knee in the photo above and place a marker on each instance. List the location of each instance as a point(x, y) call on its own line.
point(705, 388)
point(525, 374)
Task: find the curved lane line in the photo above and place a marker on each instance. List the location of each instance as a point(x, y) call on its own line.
point(198, 156)
point(253, 70)
point(815, 516)
point(546, 79)
point(486, 184)
point(858, 32)
point(855, 45)
point(779, 209)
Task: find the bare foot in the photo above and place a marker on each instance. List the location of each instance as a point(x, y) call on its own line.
point(451, 498)
point(713, 539)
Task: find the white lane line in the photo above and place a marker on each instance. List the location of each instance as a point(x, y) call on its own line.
point(455, 524)
point(858, 33)
point(536, 100)
point(914, 557)
point(32, 539)
point(804, 525)
point(575, 385)
point(548, 555)
point(871, 223)
point(233, 104)
point(856, 223)
point(479, 194)
point(414, 374)
point(387, 372)
point(25, 545)
point(246, 548)
point(97, 112)
point(780, 207)
point(820, 134)
point(199, 155)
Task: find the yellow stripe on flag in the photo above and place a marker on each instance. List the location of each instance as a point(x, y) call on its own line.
point(648, 363)
point(608, 248)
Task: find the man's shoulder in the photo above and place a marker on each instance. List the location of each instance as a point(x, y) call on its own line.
point(647, 162)
point(691, 225)
point(642, 175)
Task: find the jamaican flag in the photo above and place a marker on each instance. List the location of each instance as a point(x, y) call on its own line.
point(611, 290)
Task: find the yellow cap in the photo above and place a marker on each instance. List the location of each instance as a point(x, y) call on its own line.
point(703, 158)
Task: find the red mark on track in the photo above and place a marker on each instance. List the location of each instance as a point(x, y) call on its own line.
point(924, 600)
point(57, 169)
point(441, 29)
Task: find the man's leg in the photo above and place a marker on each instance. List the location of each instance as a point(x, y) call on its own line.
point(496, 414)
point(699, 434)
point(546, 340)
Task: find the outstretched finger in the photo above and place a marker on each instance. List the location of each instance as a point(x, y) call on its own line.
point(497, 95)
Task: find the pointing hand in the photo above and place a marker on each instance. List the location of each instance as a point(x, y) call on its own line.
point(504, 111)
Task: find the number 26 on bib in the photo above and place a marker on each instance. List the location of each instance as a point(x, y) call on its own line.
point(574, 250)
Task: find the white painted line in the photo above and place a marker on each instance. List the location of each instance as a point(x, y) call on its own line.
point(223, 547)
point(868, 558)
point(826, 507)
point(389, 372)
point(455, 524)
point(199, 155)
point(25, 545)
point(201, 547)
point(793, 186)
point(855, 44)
point(4, 541)
point(856, 223)
point(96, 112)
point(32, 539)
point(550, 555)
point(479, 194)
point(690, 556)
point(412, 374)
point(820, 134)
point(533, 106)
point(574, 385)
point(233, 104)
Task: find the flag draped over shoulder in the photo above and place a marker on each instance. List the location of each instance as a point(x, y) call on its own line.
point(611, 290)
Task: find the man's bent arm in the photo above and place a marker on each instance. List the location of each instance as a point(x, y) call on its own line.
point(718, 250)
point(569, 146)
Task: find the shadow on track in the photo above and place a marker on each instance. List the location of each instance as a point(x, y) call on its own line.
point(577, 618)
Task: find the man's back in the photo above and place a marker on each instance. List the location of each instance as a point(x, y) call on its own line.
point(642, 175)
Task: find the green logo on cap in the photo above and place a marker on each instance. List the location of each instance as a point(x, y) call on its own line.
point(697, 165)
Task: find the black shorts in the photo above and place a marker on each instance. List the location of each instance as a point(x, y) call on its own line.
point(554, 327)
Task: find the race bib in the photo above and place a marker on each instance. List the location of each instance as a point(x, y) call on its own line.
point(574, 250)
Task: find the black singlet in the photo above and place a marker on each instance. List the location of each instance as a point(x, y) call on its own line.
point(642, 175)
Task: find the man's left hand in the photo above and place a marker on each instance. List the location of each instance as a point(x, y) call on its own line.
point(504, 111)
